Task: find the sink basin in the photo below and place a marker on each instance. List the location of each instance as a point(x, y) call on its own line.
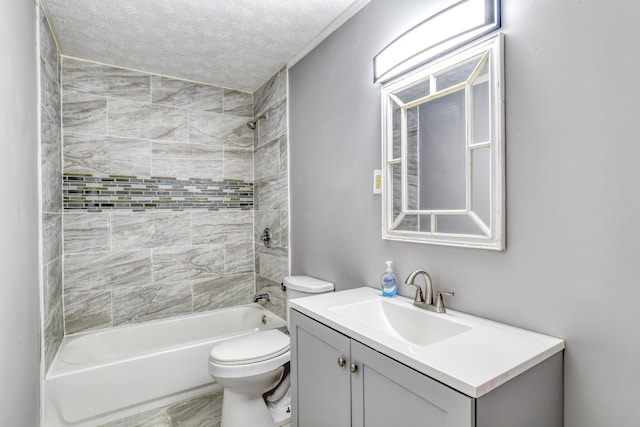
point(402, 320)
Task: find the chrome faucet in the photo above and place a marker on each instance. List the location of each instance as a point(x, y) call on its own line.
point(425, 300)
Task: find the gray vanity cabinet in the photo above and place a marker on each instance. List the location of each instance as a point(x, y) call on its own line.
point(338, 382)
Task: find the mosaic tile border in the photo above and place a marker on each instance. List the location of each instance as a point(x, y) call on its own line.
point(86, 192)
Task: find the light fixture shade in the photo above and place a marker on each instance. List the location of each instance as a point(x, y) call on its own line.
point(450, 28)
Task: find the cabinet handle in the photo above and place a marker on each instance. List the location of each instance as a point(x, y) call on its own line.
point(352, 368)
point(340, 362)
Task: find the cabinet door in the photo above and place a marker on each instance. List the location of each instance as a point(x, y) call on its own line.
point(320, 387)
point(387, 393)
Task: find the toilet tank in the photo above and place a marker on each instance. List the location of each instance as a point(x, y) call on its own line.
point(304, 286)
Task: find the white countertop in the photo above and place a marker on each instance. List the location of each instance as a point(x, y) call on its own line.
point(473, 362)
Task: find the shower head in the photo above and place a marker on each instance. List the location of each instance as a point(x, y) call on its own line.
point(252, 124)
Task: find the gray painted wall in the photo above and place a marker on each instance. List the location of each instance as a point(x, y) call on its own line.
point(570, 268)
point(19, 260)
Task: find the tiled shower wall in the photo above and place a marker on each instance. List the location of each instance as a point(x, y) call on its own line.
point(272, 188)
point(158, 191)
point(50, 157)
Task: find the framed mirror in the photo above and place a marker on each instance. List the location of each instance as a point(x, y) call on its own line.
point(443, 150)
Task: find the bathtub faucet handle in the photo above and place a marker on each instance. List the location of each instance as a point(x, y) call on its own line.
point(262, 297)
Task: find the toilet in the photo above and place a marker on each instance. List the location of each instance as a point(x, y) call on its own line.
point(251, 365)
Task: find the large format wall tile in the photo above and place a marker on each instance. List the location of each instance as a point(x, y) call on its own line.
point(238, 103)
point(272, 193)
point(85, 311)
point(51, 140)
point(181, 93)
point(238, 258)
point(275, 125)
point(148, 121)
point(107, 270)
point(51, 188)
point(238, 164)
point(270, 93)
point(143, 303)
point(158, 196)
point(52, 283)
point(84, 113)
point(222, 227)
point(186, 160)
point(227, 291)
point(98, 79)
point(267, 159)
point(172, 265)
point(141, 230)
point(53, 333)
point(271, 202)
point(219, 129)
point(106, 155)
point(51, 237)
point(86, 232)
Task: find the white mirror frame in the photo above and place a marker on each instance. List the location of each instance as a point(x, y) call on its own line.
point(494, 237)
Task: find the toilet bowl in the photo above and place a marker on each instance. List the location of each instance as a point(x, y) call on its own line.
point(251, 365)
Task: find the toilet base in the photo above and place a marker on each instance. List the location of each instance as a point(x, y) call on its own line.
point(254, 411)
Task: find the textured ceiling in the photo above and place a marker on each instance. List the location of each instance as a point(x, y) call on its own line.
point(232, 43)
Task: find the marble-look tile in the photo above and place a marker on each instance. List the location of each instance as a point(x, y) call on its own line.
point(53, 333)
point(272, 193)
point(275, 125)
point(140, 230)
point(171, 265)
point(143, 303)
point(273, 267)
point(203, 411)
point(181, 93)
point(104, 80)
point(131, 119)
point(51, 140)
point(267, 159)
point(238, 103)
point(51, 237)
point(219, 129)
point(276, 303)
point(153, 418)
point(49, 88)
point(271, 92)
point(85, 311)
point(221, 227)
point(226, 291)
point(238, 164)
point(48, 48)
point(52, 289)
point(51, 188)
point(84, 113)
point(107, 270)
point(86, 232)
point(106, 155)
point(186, 161)
point(284, 154)
point(238, 258)
point(284, 228)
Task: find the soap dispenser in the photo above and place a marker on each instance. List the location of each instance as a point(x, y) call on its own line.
point(388, 281)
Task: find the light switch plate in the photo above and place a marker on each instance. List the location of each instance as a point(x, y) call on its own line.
point(377, 181)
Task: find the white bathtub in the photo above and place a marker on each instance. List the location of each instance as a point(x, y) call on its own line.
point(98, 377)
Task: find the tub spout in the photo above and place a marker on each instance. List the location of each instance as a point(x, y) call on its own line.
point(262, 297)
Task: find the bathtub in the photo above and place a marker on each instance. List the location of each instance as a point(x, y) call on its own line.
point(99, 377)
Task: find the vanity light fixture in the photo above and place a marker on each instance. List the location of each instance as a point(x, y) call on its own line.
point(448, 29)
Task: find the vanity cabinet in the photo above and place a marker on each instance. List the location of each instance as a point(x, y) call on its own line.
point(340, 382)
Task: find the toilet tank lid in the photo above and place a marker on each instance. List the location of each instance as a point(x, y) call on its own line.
point(308, 284)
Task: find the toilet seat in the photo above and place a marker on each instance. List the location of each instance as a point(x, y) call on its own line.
point(251, 348)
